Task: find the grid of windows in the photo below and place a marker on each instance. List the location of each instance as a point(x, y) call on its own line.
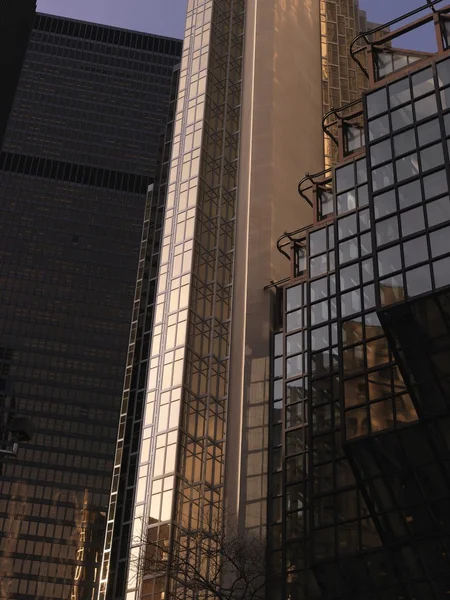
point(73, 178)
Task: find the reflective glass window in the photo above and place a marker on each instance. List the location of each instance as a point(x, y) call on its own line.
point(387, 230)
point(402, 117)
point(294, 297)
point(412, 221)
point(429, 132)
point(404, 142)
point(445, 98)
point(348, 251)
point(440, 241)
point(447, 123)
point(318, 265)
point(366, 244)
point(319, 289)
point(320, 338)
point(294, 343)
point(431, 157)
point(422, 82)
point(376, 103)
point(363, 196)
point(364, 220)
point(415, 251)
point(367, 270)
point(426, 107)
point(384, 204)
point(418, 281)
point(399, 92)
point(319, 312)
point(318, 242)
point(295, 415)
point(345, 178)
point(294, 320)
point(382, 177)
point(380, 152)
point(378, 127)
point(278, 344)
point(441, 270)
point(391, 290)
point(350, 303)
point(407, 167)
point(294, 366)
point(278, 367)
point(361, 171)
point(435, 184)
point(296, 391)
point(349, 277)
point(389, 261)
point(438, 211)
point(368, 296)
point(347, 227)
point(346, 202)
point(409, 194)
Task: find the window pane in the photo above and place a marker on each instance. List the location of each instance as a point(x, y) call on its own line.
point(349, 277)
point(366, 244)
point(422, 82)
point(294, 320)
point(345, 177)
point(404, 142)
point(382, 177)
point(407, 167)
point(346, 202)
point(426, 107)
point(361, 171)
point(347, 227)
point(351, 303)
point(278, 344)
point(412, 221)
point(319, 289)
point(432, 157)
point(438, 211)
point(294, 343)
point(295, 415)
point(391, 290)
point(318, 265)
point(294, 297)
point(363, 196)
point(445, 98)
point(409, 194)
point(296, 391)
point(294, 366)
point(415, 251)
point(440, 241)
point(319, 312)
point(376, 103)
point(441, 270)
point(320, 338)
point(429, 132)
point(348, 251)
point(378, 127)
point(402, 117)
point(318, 242)
point(418, 281)
point(399, 92)
point(435, 184)
point(367, 270)
point(389, 261)
point(369, 296)
point(364, 220)
point(387, 230)
point(443, 70)
point(381, 152)
point(384, 204)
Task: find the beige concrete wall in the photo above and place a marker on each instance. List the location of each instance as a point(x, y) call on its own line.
point(281, 139)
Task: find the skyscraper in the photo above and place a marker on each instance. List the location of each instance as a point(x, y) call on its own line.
point(79, 153)
point(246, 123)
point(358, 504)
point(16, 22)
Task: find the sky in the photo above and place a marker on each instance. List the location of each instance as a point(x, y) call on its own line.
point(166, 17)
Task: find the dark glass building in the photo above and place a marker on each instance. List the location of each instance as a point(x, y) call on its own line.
point(16, 22)
point(79, 153)
point(360, 418)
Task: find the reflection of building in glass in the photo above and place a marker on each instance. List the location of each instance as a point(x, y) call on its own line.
point(359, 485)
point(78, 154)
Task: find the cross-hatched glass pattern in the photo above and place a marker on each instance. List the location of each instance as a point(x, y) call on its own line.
point(78, 154)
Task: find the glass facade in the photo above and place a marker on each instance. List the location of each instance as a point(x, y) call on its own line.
point(79, 152)
point(16, 22)
point(358, 479)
